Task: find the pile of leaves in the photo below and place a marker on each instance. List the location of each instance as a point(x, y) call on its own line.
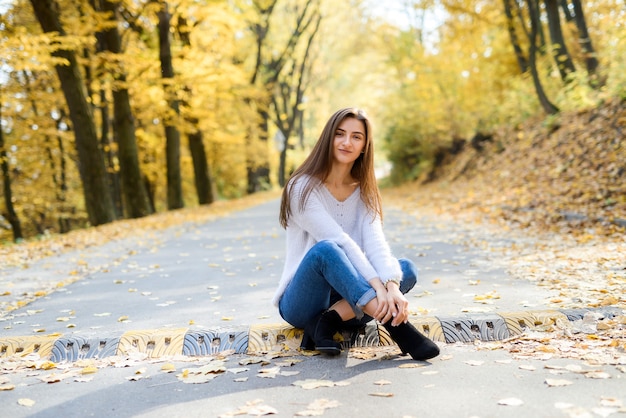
point(565, 173)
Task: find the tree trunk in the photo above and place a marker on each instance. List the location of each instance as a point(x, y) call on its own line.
point(257, 171)
point(301, 129)
point(135, 195)
point(202, 176)
point(59, 178)
point(584, 40)
point(569, 16)
point(202, 173)
point(547, 106)
point(541, 47)
point(11, 215)
point(110, 153)
point(287, 98)
point(98, 201)
point(519, 54)
point(107, 139)
point(267, 72)
point(172, 135)
point(559, 49)
point(282, 165)
point(258, 165)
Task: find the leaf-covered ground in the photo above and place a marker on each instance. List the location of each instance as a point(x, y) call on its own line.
point(565, 174)
point(556, 189)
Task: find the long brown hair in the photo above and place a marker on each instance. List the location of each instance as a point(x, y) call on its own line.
point(318, 164)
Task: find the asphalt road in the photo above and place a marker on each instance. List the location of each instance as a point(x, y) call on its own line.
point(221, 275)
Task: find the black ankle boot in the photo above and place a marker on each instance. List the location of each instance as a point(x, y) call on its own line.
point(412, 342)
point(318, 333)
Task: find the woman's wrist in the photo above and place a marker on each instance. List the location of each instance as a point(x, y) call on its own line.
point(394, 283)
point(377, 284)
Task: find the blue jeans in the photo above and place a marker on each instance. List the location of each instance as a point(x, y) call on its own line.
point(326, 276)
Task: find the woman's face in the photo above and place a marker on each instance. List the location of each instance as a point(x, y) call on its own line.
point(349, 141)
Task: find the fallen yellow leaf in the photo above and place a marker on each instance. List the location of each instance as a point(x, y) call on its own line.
point(313, 383)
point(89, 370)
point(26, 402)
point(410, 366)
point(557, 382)
point(598, 375)
point(47, 365)
point(317, 407)
point(382, 382)
point(168, 367)
point(609, 300)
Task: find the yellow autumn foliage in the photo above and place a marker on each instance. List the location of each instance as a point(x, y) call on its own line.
point(430, 75)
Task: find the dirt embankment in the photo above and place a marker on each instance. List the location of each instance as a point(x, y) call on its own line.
point(565, 173)
point(552, 190)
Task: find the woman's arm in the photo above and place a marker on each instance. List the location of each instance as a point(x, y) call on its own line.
point(392, 304)
point(378, 252)
point(316, 221)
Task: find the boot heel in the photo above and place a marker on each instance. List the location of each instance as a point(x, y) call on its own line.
point(307, 343)
point(321, 330)
point(412, 342)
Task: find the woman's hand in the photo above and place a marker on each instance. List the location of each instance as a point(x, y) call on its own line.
point(383, 312)
point(398, 305)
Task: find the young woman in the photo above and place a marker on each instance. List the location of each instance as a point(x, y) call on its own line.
point(338, 264)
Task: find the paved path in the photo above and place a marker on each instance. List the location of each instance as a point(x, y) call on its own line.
point(206, 281)
point(223, 273)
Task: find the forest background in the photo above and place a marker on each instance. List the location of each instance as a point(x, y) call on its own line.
point(120, 109)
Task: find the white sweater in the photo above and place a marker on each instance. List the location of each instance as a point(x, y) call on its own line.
point(348, 223)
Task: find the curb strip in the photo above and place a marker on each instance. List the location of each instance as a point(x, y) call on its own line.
point(264, 338)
